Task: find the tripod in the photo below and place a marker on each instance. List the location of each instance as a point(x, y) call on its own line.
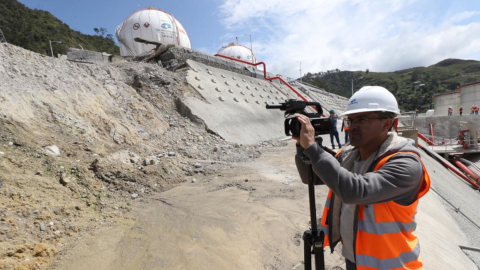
point(312, 239)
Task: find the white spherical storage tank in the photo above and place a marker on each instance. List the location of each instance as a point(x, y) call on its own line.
point(239, 52)
point(150, 24)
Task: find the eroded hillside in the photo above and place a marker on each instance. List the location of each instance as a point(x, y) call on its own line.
point(119, 135)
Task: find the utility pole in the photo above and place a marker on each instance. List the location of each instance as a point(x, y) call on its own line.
point(2, 37)
point(300, 70)
point(51, 49)
point(352, 86)
point(361, 78)
point(251, 47)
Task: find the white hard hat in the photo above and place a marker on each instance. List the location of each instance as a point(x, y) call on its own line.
point(372, 99)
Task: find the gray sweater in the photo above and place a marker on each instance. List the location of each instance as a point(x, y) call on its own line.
point(398, 180)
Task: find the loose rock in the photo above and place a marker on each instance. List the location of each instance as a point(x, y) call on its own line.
point(52, 150)
point(64, 179)
point(43, 250)
point(150, 160)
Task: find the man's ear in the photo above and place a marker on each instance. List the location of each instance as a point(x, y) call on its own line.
point(388, 124)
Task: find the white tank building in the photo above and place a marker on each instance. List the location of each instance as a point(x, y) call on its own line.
point(469, 96)
point(442, 102)
point(466, 96)
point(239, 52)
point(151, 24)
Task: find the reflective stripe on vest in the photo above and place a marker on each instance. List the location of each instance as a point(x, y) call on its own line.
point(406, 260)
point(384, 238)
point(323, 222)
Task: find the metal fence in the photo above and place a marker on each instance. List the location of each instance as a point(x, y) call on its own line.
point(452, 144)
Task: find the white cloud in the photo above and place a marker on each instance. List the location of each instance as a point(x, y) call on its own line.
point(460, 17)
point(381, 35)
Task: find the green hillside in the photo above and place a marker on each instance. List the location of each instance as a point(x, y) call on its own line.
point(442, 77)
point(32, 30)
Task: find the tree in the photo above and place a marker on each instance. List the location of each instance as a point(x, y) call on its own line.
point(32, 30)
point(103, 31)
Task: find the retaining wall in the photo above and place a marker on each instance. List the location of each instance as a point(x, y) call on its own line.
point(79, 55)
point(445, 126)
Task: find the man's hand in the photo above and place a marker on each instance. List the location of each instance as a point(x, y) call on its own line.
point(307, 133)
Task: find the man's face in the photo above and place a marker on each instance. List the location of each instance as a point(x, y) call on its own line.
point(332, 114)
point(366, 129)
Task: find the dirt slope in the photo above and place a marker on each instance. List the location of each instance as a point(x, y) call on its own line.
point(119, 138)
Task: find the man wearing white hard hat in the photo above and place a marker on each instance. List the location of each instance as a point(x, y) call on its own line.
point(375, 184)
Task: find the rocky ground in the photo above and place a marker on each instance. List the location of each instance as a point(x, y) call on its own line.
point(80, 142)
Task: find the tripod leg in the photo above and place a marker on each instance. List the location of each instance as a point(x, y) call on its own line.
point(318, 252)
point(307, 249)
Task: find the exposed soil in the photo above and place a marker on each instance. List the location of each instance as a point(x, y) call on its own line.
point(248, 215)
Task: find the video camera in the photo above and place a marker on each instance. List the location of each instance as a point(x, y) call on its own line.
point(293, 126)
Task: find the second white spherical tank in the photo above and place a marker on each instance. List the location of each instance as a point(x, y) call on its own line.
point(151, 24)
point(239, 52)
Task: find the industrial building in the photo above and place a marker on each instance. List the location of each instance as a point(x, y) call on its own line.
point(467, 95)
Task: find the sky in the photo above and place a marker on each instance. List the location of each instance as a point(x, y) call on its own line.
point(318, 35)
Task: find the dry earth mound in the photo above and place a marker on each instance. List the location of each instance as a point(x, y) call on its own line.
point(79, 141)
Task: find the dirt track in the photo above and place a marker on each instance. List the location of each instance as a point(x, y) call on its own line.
point(247, 216)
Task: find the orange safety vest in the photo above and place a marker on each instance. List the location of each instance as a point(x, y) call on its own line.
point(476, 108)
point(472, 109)
point(450, 110)
point(384, 238)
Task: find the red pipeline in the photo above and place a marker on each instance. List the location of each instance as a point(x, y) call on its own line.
point(466, 170)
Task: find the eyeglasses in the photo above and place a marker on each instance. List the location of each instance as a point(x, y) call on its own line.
point(361, 121)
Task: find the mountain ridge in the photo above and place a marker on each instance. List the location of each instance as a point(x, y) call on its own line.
point(33, 29)
point(414, 87)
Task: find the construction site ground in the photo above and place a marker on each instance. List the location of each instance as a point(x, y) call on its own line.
point(249, 216)
point(100, 169)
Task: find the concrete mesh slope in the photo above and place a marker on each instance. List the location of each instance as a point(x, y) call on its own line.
point(328, 100)
point(441, 229)
point(233, 105)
